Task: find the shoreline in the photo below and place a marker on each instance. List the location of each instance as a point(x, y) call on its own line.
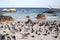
point(12, 28)
point(30, 27)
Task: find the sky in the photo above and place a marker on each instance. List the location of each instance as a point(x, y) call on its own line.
point(29, 3)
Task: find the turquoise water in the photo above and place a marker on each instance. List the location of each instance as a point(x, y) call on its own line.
point(32, 12)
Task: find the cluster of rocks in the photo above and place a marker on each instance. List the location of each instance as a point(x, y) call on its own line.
point(26, 28)
point(9, 10)
point(39, 16)
point(5, 18)
point(6, 37)
point(50, 11)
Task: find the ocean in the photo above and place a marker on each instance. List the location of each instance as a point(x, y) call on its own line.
point(32, 12)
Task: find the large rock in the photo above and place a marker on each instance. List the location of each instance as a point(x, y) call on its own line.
point(1, 15)
point(5, 18)
point(41, 16)
point(4, 10)
point(27, 16)
point(12, 10)
point(54, 15)
point(50, 11)
point(9, 10)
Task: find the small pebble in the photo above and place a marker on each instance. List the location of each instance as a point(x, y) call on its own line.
point(32, 30)
point(48, 32)
point(20, 30)
point(39, 34)
point(7, 34)
point(28, 33)
point(55, 36)
point(3, 37)
point(45, 34)
point(36, 32)
point(33, 36)
point(4, 31)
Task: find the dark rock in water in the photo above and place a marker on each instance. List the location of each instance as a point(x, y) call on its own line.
point(27, 17)
point(1, 15)
point(54, 15)
point(41, 16)
point(5, 18)
point(50, 11)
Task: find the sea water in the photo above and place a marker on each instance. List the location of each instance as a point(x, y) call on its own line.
point(21, 13)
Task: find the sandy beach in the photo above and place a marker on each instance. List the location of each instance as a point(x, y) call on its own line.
point(28, 24)
point(31, 30)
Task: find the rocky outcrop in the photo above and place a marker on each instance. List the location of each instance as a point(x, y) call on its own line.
point(55, 15)
point(50, 11)
point(1, 15)
point(41, 16)
point(12, 10)
point(5, 18)
point(9, 10)
point(4, 10)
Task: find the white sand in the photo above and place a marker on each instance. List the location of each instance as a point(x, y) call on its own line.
point(19, 35)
